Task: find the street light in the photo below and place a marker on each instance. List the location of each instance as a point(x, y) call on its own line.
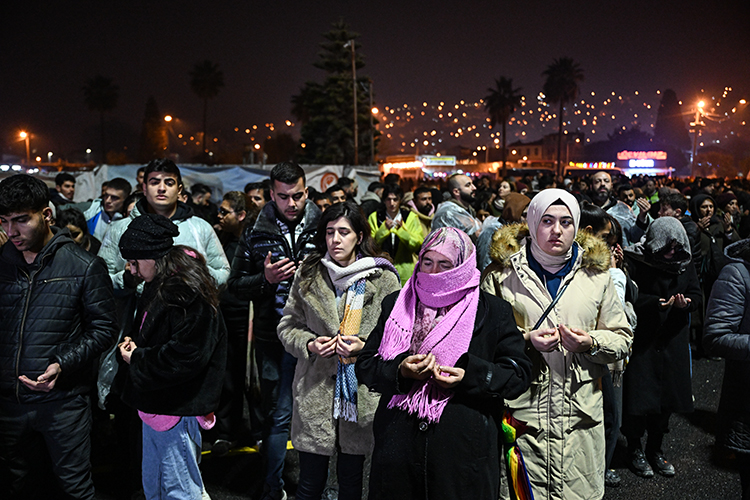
point(26, 136)
point(350, 44)
point(697, 124)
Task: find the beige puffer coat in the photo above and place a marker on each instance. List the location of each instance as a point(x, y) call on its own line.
point(311, 311)
point(564, 443)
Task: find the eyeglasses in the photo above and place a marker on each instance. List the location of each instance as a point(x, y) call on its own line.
point(224, 212)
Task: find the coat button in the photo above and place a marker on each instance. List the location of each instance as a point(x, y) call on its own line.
point(423, 426)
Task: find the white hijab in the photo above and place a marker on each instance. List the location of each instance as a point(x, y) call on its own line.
point(537, 207)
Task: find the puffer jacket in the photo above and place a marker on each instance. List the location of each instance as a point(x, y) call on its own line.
point(310, 312)
point(727, 334)
point(194, 233)
point(564, 444)
point(247, 281)
point(58, 310)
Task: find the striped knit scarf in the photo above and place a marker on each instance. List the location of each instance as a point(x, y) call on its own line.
point(351, 279)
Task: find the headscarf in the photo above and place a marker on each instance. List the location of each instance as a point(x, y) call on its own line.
point(537, 208)
point(696, 202)
point(514, 205)
point(661, 235)
point(456, 294)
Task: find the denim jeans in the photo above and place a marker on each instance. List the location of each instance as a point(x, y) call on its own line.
point(60, 428)
point(276, 370)
point(170, 461)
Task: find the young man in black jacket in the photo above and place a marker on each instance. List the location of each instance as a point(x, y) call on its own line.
point(57, 316)
point(262, 271)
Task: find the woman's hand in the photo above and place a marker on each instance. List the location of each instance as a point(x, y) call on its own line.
point(545, 339)
point(666, 304)
point(727, 222)
point(348, 345)
point(617, 256)
point(454, 377)
point(574, 339)
point(418, 366)
point(325, 347)
point(680, 301)
point(127, 346)
point(704, 223)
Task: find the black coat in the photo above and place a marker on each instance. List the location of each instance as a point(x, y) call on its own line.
point(727, 334)
point(247, 279)
point(178, 365)
point(458, 457)
point(657, 377)
point(59, 309)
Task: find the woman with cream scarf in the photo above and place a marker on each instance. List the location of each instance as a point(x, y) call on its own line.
point(333, 305)
point(586, 328)
point(443, 356)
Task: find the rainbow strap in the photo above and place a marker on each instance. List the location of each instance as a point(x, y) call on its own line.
point(511, 429)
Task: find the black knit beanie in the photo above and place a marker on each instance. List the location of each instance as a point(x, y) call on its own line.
point(148, 236)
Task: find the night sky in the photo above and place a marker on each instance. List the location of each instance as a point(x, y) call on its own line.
point(414, 52)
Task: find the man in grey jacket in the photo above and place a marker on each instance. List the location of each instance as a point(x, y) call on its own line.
point(57, 316)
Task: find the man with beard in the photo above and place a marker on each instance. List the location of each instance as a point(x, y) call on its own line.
point(633, 228)
point(423, 207)
point(263, 270)
point(457, 211)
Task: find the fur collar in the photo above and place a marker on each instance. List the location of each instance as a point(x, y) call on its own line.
point(507, 241)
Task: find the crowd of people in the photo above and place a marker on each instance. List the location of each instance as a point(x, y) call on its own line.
point(476, 337)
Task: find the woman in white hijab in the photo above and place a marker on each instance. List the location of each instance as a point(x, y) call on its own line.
point(565, 303)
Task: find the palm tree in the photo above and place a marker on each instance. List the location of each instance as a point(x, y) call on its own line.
point(206, 79)
point(100, 94)
point(502, 101)
point(561, 86)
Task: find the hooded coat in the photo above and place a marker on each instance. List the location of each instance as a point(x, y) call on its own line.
point(563, 445)
point(658, 374)
point(727, 334)
point(311, 311)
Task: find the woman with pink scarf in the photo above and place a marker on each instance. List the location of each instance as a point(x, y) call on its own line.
point(444, 356)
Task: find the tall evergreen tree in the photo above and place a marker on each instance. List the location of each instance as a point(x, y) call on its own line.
point(561, 87)
point(206, 79)
point(501, 102)
point(670, 126)
point(100, 94)
point(154, 139)
point(326, 110)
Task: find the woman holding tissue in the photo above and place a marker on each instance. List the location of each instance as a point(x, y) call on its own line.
point(566, 305)
point(175, 357)
point(443, 356)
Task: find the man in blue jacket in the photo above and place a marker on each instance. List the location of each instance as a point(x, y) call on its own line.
point(57, 316)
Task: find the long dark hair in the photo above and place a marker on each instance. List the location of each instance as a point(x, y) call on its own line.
point(181, 274)
point(353, 214)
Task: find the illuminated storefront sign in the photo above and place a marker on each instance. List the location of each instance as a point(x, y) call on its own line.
point(642, 155)
point(598, 165)
point(438, 161)
point(641, 163)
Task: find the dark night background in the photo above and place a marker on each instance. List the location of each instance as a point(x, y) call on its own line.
point(414, 52)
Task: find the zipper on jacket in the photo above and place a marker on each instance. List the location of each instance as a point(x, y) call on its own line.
point(30, 277)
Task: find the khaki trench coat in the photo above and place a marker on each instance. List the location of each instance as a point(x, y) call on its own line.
point(564, 444)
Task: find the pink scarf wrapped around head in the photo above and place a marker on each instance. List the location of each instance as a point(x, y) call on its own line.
point(450, 338)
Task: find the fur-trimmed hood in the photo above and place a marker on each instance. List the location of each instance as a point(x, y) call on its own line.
point(508, 240)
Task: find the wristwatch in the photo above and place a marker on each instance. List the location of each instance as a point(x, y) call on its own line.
point(594, 349)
